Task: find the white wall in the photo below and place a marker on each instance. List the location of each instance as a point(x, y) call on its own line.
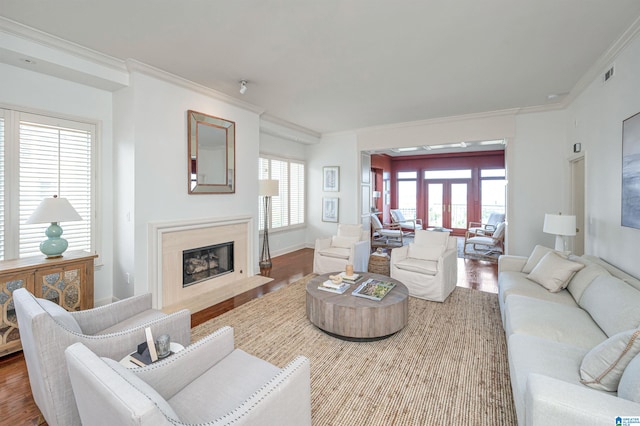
point(40, 93)
point(159, 113)
point(595, 120)
point(333, 150)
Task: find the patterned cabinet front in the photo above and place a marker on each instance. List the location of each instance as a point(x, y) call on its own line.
point(9, 335)
point(67, 281)
point(62, 285)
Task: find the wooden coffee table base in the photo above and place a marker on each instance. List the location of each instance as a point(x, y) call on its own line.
point(356, 318)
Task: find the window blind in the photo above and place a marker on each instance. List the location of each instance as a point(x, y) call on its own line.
point(288, 207)
point(2, 233)
point(55, 159)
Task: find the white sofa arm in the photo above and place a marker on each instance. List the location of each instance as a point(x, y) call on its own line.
point(508, 262)
point(550, 401)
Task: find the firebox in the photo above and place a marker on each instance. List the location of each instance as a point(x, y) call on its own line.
point(203, 263)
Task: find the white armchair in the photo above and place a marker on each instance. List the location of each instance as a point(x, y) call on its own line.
point(428, 266)
point(349, 246)
point(113, 330)
point(207, 383)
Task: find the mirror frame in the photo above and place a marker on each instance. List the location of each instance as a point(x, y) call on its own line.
point(195, 118)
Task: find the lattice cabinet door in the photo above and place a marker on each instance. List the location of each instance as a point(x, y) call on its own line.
point(9, 334)
point(62, 285)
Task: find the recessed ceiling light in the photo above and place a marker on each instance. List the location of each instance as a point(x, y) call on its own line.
point(409, 148)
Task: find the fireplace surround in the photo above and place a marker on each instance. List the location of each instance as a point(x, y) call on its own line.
point(168, 241)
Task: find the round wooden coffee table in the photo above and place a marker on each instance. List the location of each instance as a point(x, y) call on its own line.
point(356, 318)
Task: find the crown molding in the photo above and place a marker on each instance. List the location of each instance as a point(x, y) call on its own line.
point(604, 61)
point(40, 37)
point(278, 127)
point(134, 65)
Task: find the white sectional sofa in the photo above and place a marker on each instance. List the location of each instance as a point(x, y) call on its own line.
point(572, 338)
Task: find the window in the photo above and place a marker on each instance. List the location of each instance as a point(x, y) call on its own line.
point(492, 191)
point(287, 209)
point(407, 193)
point(40, 157)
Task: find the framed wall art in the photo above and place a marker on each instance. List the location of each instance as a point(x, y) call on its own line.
point(330, 209)
point(631, 171)
point(331, 178)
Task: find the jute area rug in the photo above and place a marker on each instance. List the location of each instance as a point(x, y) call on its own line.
point(448, 366)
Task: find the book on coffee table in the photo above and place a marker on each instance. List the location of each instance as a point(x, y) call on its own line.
point(351, 279)
point(373, 289)
point(332, 288)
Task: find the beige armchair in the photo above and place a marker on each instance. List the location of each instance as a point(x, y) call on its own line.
point(428, 266)
point(114, 330)
point(207, 383)
point(397, 217)
point(492, 245)
point(349, 246)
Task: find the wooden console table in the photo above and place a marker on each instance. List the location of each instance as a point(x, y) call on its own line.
point(67, 281)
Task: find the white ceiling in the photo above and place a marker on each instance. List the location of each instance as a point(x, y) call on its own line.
point(331, 65)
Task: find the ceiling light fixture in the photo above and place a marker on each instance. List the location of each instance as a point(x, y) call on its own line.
point(243, 86)
point(409, 148)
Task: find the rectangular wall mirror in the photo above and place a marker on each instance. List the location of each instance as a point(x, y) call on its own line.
point(212, 159)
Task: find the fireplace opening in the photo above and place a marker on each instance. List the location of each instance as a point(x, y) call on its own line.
point(202, 263)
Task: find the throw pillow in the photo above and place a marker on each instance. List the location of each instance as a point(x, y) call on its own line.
point(536, 255)
point(60, 315)
point(425, 252)
point(603, 366)
point(554, 272)
point(629, 387)
point(583, 278)
point(343, 242)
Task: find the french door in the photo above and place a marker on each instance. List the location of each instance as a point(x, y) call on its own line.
point(447, 204)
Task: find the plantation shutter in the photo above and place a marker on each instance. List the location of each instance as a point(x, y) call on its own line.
point(279, 204)
point(296, 198)
point(55, 159)
point(2, 198)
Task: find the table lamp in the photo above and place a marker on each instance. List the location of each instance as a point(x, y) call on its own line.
point(267, 188)
point(560, 225)
point(54, 210)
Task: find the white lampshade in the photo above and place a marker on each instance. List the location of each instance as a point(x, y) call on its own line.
point(54, 210)
point(376, 194)
point(268, 188)
point(559, 224)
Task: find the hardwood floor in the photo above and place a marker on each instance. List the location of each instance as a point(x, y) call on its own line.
point(17, 405)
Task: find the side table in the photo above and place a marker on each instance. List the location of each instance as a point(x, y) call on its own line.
point(379, 263)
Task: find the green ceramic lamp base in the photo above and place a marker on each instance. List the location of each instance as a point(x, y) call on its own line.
point(54, 246)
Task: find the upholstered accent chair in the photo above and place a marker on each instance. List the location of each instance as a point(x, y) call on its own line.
point(115, 330)
point(388, 236)
point(207, 383)
point(397, 217)
point(428, 266)
point(492, 245)
point(479, 228)
point(349, 246)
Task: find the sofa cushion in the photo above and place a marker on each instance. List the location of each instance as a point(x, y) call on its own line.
point(554, 272)
point(511, 282)
point(428, 267)
point(142, 387)
point(629, 386)
point(238, 376)
point(532, 354)
point(602, 366)
point(553, 321)
point(425, 252)
point(583, 278)
point(337, 252)
point(343, 242)
point(613, 304)
point(60, 315)
point(536, 255)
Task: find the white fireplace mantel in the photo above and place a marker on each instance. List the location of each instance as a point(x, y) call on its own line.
point(159, 231)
